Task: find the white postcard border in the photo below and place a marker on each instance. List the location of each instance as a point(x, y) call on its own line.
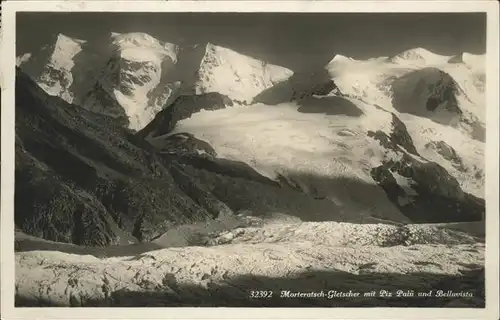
point(7, 78)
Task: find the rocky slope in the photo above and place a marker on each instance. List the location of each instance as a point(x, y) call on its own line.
point(80, 179)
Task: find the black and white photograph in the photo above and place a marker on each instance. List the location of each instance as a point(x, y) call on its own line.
point(249, 159)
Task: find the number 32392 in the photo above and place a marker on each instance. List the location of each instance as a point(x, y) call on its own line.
point(261, 294)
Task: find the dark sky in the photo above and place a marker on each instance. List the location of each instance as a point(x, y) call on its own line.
point(295, 40)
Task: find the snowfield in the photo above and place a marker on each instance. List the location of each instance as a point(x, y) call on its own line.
point(282, 140)
point(289, 136)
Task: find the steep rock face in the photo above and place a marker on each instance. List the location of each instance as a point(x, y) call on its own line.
point(108, 186)
point(319, 143)
point(80, 179)
point(133, 77)
point(447, 152)
point(58, 67)
point(476, 63)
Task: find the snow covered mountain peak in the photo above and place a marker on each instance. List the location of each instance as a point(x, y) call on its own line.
point(65, 49)
point(139, 46)
point(418, 56)
point(51, 67)
point(122, 77)
point(133, 82)
point(338, 58)
point(67, 40)
point(236, 75)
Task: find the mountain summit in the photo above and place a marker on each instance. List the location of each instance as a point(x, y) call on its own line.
point(132, 81)
point(52, 67)
point(238, 76)
point(418, 56)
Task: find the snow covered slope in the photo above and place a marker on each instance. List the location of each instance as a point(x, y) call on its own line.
point(419, 86)
point(418, 57)
point(371, 80)
point(433, 93)
point(286, 141)
point(331, 147)
point(368, 80)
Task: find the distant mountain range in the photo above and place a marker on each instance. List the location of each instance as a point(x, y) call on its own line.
point(135, 75)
